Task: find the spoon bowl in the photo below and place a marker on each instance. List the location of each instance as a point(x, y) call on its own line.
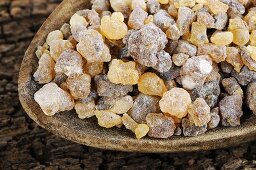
point(87, 132)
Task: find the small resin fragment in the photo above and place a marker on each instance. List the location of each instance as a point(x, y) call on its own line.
point(190, 129)
point(231, 110)
point(171, 46)
point(70, 62)
point(144, 44)
point(45, 71)
point(129, 123)
point(143, 105)
point(186, 48)
point(150, 84)
point(179, 59)
point(206, 19)
point(91, 16)
point(121, 105)
point(234, 58)
point(183, 3)
point(198, 34)
point(171, 74)
point(216, 6)
point(91, 46)
point(66, 30)
point(100, 5)
point(241, 36)
point(113, 27)
point(164, 21)
point(137, 18)
point(123, 72)
point(199, 112)
point(141, 131)
point(251, 96)
point(210, 91)
point(108, 89)
point(173, 98)
point(173, 32)
point(178, 131)
point(59, 46)
point(160, 126)
point(245, 76)
point(215, 118)
point(79, 85)
point(221, 21)
point(248, 55)
point(59, 101)
point(199, 8)
point(222, 37)
point(232, 87)
point(153, 6)
point(42, 50)
point(226, 67)
point(172, 10)
point(54, 35)
point(108, 119)
point(77, 25)
point(218, 53)
point(139, 3)
point(184, 19)
point(235, 8)
point(194, 71)
point(164, 62)
point(123, 6)
point(252, 51)
point(85, 110)
point(237, 23)
point(250, 19)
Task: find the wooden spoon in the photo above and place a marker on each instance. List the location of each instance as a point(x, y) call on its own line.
point(87, 132)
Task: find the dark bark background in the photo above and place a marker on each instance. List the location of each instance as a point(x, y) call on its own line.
point(24, 145)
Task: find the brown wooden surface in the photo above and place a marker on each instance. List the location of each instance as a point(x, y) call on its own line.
point(24, 145)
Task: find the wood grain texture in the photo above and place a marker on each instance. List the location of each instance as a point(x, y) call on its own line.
point(24, 145)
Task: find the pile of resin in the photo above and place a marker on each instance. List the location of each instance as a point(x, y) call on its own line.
point(157, 67)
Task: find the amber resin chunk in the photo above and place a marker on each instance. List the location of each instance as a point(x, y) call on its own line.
point(173, 98)
point(59, 101)
point(151, 84)
point(123, 72)
point(160, 126)
point(108, 119)
point(79, 85)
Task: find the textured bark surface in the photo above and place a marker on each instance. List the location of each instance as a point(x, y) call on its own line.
point(24, 145)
